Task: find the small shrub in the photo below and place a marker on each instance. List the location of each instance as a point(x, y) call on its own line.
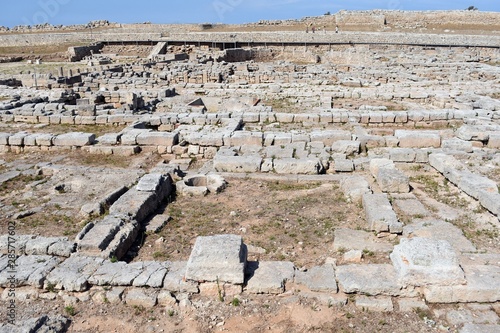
point(236, 302)
point(70, 310)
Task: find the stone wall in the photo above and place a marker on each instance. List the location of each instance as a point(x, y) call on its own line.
point(77, 53)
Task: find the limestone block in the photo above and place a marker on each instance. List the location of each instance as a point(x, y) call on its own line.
point(151, 182)
point(157, 139)
point(269, 277)
point(152, 274)
point(493, 141)
point(377, 304)
point(425, 261)
point(406, 155)
point(298, 166)
point(126, 150)
point(123, 240)
point(135, 204)
point(380, 163)
point(418, 139)
point(456, 144)
point(347, 147)
point(98, 238)
point(439, 229)
point(30, 140)
point(166, 299)
point(56, 324)
point(328, 137)
point(490, 201)
point(248, 163)
point(73, 273)
point(115, 274)
point(481, 287)
point(372, 279)
point(393, 181)
point(62, 248)
point(354, 187)
point(217, 258)
point(279, 152)
point(241, 138)
point(463, 316)
point(175, 280)
point(285, 117)
point(443, 163)
point(411, 207)
point(78, 139)
point(146, 298)
point(17, 139)
point(39, 245)
point(34, 270)
point(343, 165)
point(473, 184)
point(318, 278)
point(129, 136)
point(44, 139)
point(471, 133)
point(480, 328)
point(379, 214)
point(4, 139)
point(110, 139)
point(282, 139)
point(349, 239)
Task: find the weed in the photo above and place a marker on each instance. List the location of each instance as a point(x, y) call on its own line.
point(349, 315)
point(171, 312)
point(368, 253)
point(423, 313)
point(113, 259)
point(159, 255)
point(236, 302)
point(51, 287)
point(138, 309)
point(70, 310)
point(219, 291)
point(341, 250)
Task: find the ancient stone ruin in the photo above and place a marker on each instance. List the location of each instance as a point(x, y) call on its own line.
point(401, 128)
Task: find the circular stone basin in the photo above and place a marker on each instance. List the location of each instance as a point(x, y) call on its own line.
point(200, 185)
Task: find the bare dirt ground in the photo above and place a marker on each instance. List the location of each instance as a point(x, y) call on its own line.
point(254, 314)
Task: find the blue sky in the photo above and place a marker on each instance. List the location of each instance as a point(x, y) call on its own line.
point(30, 12)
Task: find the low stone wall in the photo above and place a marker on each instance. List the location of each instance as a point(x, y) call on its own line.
point(77, 53)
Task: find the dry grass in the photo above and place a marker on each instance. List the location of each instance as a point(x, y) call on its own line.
point(289, 221)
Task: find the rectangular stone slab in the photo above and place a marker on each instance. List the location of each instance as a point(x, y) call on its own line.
point(373, 279)
point(269, 277)
point(73, 273)
point(217, 258)
point(482, 287)
point(426, 261)
point(379, 213)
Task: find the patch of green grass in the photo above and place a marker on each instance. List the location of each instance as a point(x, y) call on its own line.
point(70, 310)
point(236, 302)
point(138, 309)
point(368, 253)
point(290, 186)
point(423, 313)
